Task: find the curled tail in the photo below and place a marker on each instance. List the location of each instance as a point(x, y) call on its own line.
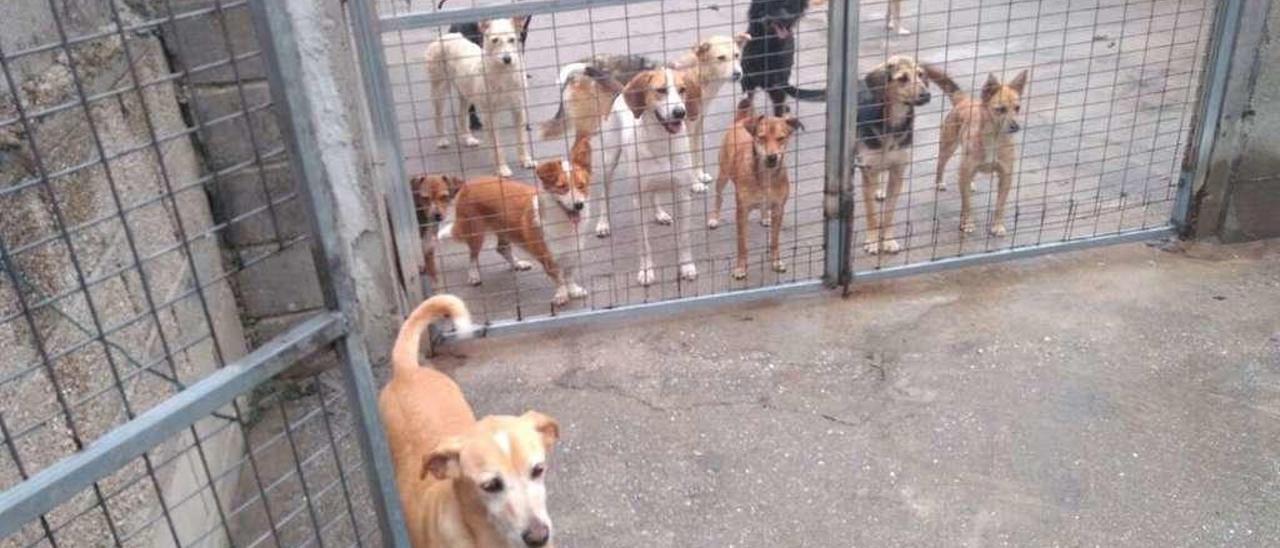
point(556, 126)
point(944, 82)
point(805, 94)
point(404, 355)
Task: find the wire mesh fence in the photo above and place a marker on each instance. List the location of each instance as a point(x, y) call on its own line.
point(1103, 121)
point(144, 194)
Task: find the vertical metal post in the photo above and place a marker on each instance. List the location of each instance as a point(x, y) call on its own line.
point(838, 192)
point(389, 156)
point(277, 32)
point(1226, 26)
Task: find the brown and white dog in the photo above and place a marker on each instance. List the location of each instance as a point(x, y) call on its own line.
point(433, 200)
point(887, 98)
point(589, 87)
point(544, 224)
point(647, 130)
point(492, 78)
point(982, 128)
point(753, 155)
point(463, 483)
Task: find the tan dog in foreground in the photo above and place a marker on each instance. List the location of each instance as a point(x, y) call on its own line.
point(752, 154)
point(982, 128)
point(462, 482)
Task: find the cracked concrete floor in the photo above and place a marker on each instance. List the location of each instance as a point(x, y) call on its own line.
point(1122, 396)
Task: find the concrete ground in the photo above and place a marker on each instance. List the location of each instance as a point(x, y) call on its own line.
point(1127, 396)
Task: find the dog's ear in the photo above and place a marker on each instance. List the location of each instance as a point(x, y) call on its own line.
point(795, 123)
point(991, 88)
point(546, 426)
point(1019, 82)
point(636, 93)
point(692, 94)
point(702, 49)
point(483, 26)
point(752, 124)
point(742, 38)
point(454, 183)
point(877, 79)
point(443, 461)
point(548, 172)
point(521, 22)
point(580, 154)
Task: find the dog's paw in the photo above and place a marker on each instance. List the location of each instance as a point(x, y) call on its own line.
point(577, 292)
point(528, 163)
point(646, 276)
point(942, 187)
point(443, 143)
point(561, 297)
point(903, 31)
point(602, 229)
point(880, 195)
point(504, 170)
point(890, 246)
point(473, 277)
point(698, 188)
point(522, 266)
point(739, 273)
point(998, 230)
point(967, 226)
point(662, 217)
point(713, 223)
point(470, 141)
point(779, 266)
point(688, 272)
point(872, 247)
point(765, 219)
point(705, 178)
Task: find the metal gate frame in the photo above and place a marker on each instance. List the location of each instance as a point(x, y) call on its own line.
point(838, 191)
point(338, 327)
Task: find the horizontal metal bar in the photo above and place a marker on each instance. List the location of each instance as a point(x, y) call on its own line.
point(1010, 254)
point(60, 482)
point(445, 18)
point(508, 327)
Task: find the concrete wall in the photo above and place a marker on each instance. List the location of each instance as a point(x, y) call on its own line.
point(102, 251)
point(1240, 198)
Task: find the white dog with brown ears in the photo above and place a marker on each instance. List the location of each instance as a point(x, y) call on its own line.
point(463, 483)
point(648, 129)
point(492, 79)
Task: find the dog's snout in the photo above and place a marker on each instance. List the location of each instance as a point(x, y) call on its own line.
point(536, 535)
point(924, 98)
point(506, 59)
point(437, 216)
point(737, 75)
point(678, 113)
point(1014, 127)
point(577, 206)
point(771, 160)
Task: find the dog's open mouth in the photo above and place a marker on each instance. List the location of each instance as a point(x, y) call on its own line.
point(672, 126)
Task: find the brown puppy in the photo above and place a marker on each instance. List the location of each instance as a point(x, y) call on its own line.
point(752, 154)
point(462, 482)
point(433, 200)
point(983, 129)
point(544, 224)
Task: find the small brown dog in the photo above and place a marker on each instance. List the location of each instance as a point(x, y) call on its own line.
point(544, 224)
point(433, 200)
point(753, 154)
point(462, 482)
point(983, 129)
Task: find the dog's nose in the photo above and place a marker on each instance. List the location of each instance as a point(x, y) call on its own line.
point(924, 98)
point(1013, 127)
point(771, 160)
point(737, 75)
point(536, 535)
point(438, 217)
point(577, 206)
point(678, 113)
point(506, 59)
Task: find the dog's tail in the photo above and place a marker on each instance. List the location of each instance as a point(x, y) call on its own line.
point(805, 94)
point(555, 127)
point(404, 355)
point(943, 81)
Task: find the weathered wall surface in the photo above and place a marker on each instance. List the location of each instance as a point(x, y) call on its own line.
point(141, 205)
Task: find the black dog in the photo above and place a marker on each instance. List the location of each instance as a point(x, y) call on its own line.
point(471, 31)
point(770, 53)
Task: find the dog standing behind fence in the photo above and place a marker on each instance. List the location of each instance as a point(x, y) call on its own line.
point(463, 483)
point(491, 78)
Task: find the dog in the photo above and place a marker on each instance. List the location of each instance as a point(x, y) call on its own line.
point(768, 56)
point(647, 129)
point(753, 155)
point(544, 224)
point(887, 98)
point(463, 482)
point(589, 87)
point(982, 128)
point(433, 200)
point(893, 18)
point(491, 78)
point(472, 32)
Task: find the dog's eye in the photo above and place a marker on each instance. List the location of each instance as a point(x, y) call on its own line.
point(511, 40)
point(538, 471)
point(904, 78)
point(1001, 110)
point(1017, 108)
point(494, 485)
point(660, 91)
point(722, 58)
point(496, 40)
point(680, 90)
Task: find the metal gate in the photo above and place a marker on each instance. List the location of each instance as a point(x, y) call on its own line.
point(1107, 117)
